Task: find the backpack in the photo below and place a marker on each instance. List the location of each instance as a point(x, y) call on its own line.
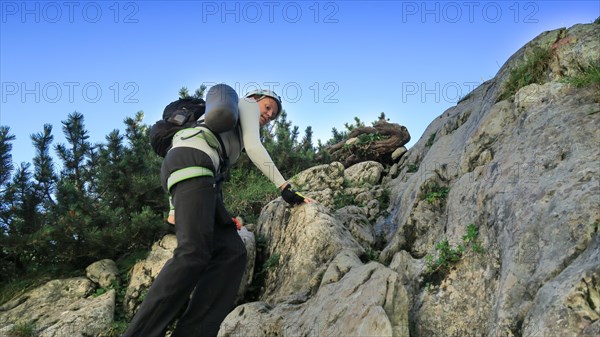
point(220, 110)
point(178, 115)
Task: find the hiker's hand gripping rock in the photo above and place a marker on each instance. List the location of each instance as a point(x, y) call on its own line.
point(294, 197)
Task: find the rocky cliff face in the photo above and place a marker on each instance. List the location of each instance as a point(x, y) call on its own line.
point(525, 171)
point(493, 228)
point(488, 226)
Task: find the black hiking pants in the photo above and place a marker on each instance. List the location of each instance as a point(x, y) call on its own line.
point(209, 260)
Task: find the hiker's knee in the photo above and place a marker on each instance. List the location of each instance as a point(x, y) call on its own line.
point(194, 258)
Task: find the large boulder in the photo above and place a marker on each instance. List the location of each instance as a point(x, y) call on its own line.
point(321, 177)
point(376, 143)
point(359, 300)
point(368, 172)
point(321, 182)
point(103, 272)
point(335, 187)
point(59, 308)
point(300, 242)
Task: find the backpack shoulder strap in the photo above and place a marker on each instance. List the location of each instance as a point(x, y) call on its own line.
point(224, 170)
point(223, 174)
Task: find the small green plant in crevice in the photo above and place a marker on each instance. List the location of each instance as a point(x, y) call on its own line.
point(272, 262)
point(115, 285)
point(117, 328)
point(370, 254)
point(368, 138)
point(365, 140)
point(430, 287)
point(446, 254)
point(588, 75)
point(261, 242)
point(363, 144)
point(342, 200)
point(349, 183)
point(262, 265)
point(430, 140)
point(384, 200)
point(412, 168)
point(531, 71)
point(433, 192)
point(471, 238)
point(258, 278)
point(100, 291)
point(23, 329)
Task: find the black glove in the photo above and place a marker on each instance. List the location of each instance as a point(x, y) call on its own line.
point(291, 196)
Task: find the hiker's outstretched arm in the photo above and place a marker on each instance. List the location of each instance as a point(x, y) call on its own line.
point(249, 119)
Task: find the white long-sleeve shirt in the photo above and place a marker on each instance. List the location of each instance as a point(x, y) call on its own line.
point(245, 136)
point(249, 115)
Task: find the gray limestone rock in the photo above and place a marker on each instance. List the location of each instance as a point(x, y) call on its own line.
point(367, 172)
point(301, 241)
point(103, 272)
point(399, 152)
point(525, 171)
point(368, 300)
point(60, 308)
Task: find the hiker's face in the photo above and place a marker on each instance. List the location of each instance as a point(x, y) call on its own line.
point(268, 110)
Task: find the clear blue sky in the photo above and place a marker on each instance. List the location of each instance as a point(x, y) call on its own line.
point(329, 60)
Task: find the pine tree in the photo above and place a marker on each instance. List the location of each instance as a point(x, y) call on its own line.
point(74, 158)
point(146, 197)
point(184, 92)
point(132, 201)
point(44, 175)
point(199, 93)
point(8, 264)
point(336, 137)
point(110, 175)
point(75, 214)
point(21, 202)
point(5, 155)
point(281, 141)
point(6, 168)
point(357, 124)
point(306, 146)
point(21, 210)
point(382, 118)
point(143, 167)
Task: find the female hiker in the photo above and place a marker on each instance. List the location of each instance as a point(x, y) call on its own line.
point(210, 257)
